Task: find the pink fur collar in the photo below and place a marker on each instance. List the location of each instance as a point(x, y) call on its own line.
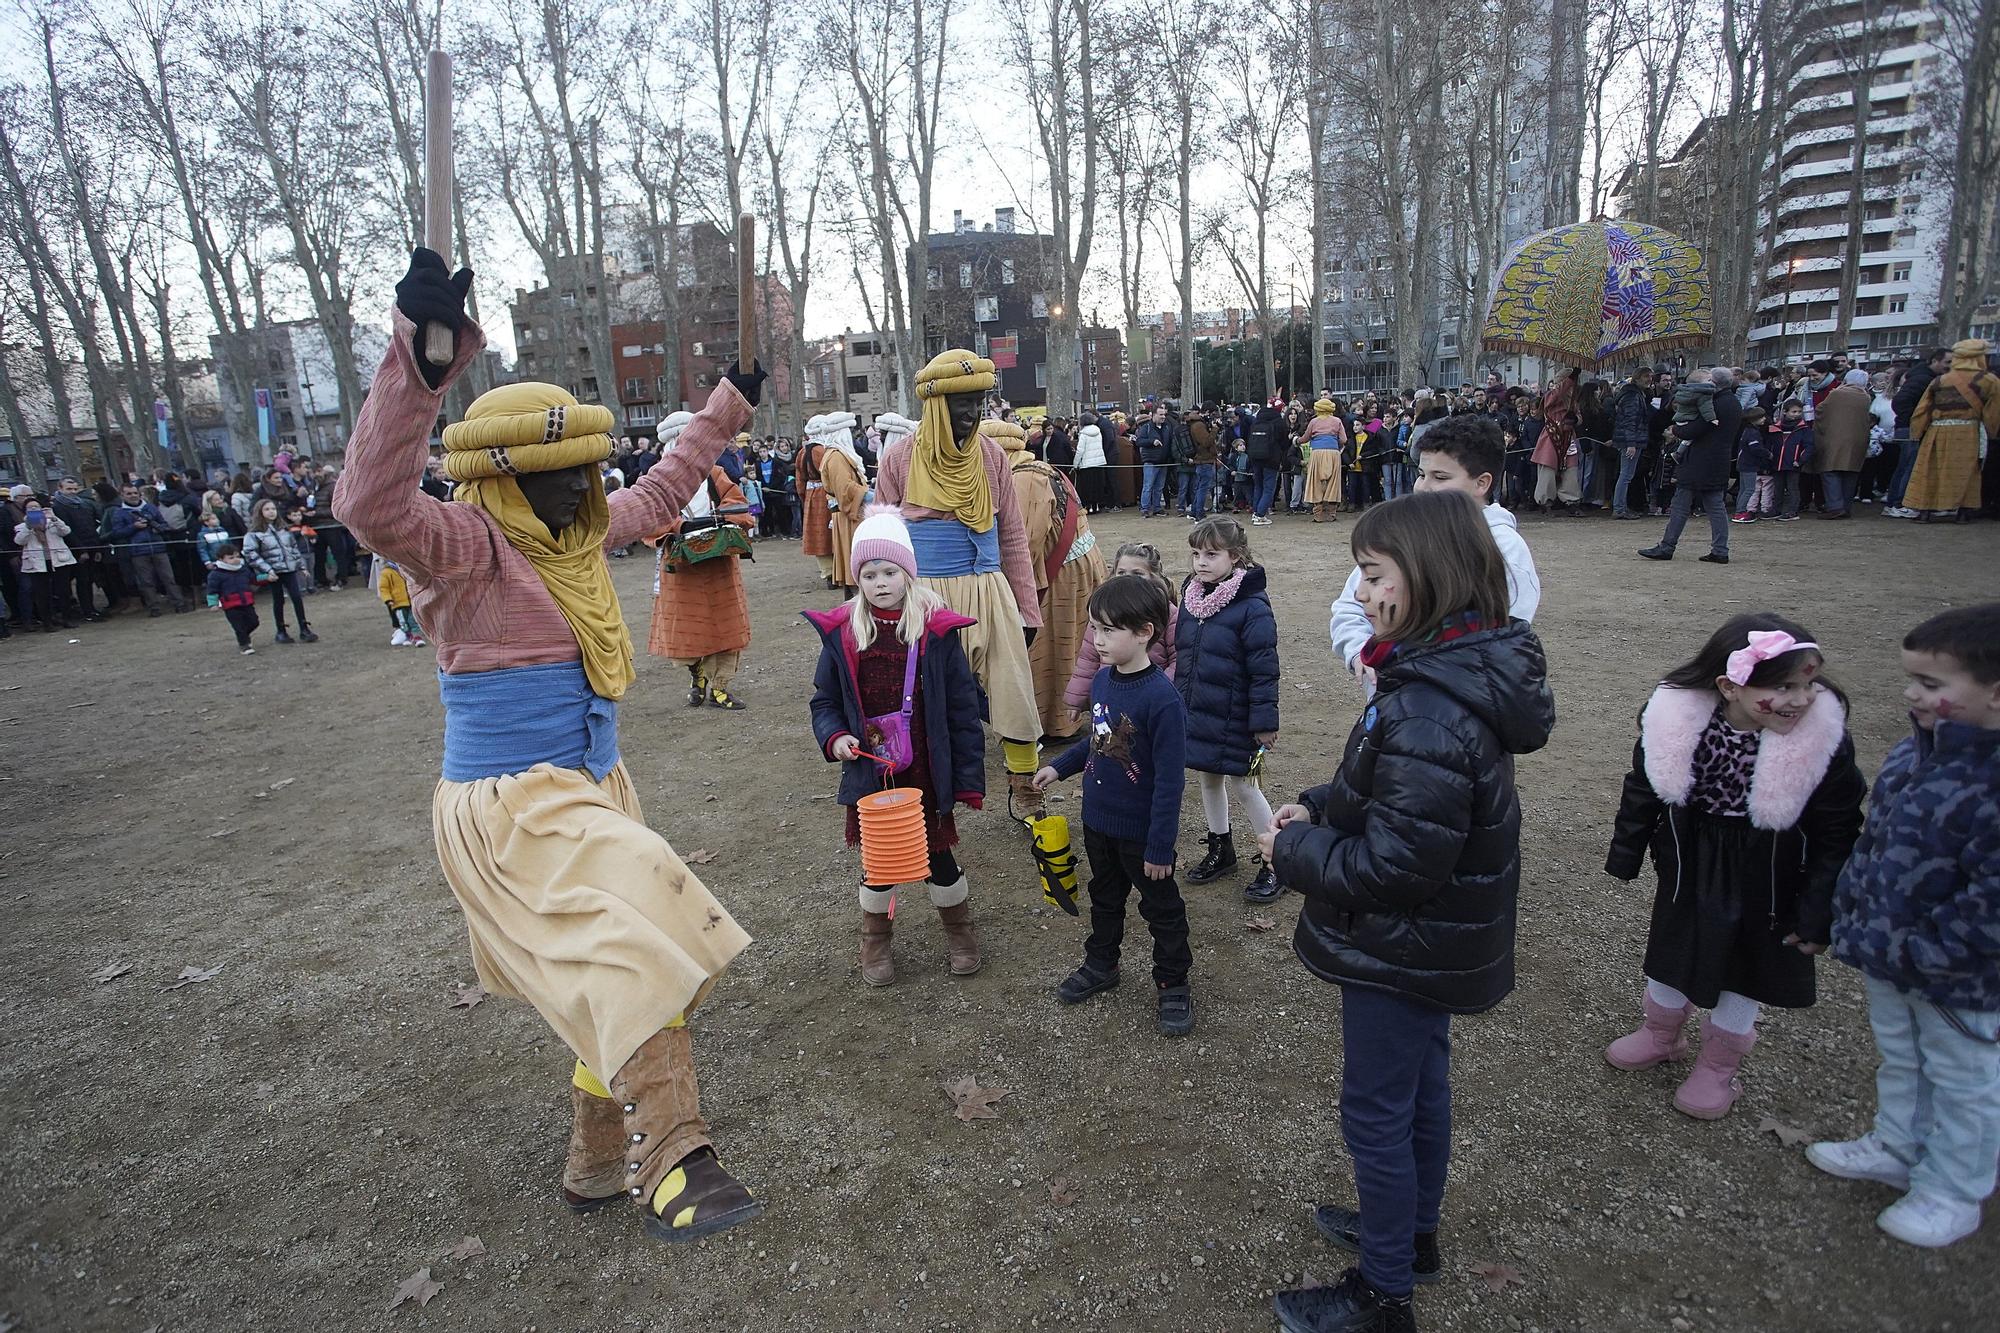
point(1789, 768)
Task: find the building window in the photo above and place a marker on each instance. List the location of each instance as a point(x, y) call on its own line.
point(633, 349)
point(1895, 305)
point(569, 299)
point(1038, 306)
point(1514, 155)
point(1899, 273)
point(1360, 293)
point(635, 388)
point(1006, 272)
point(1336, 266)
point(934, 278)
point(1382, 262)
point(1041, 374)
point(985, 309)
point(979, 342)
point(857, 384)
point(965, 275)
point(661, 385)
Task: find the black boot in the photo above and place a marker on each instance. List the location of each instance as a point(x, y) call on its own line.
point(1350, 1306)
point(1220, 858)
point(1264, 888)
point(697, 687)
point(1342, 1226)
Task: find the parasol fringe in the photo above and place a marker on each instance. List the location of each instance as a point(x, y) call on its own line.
point(1547, 351)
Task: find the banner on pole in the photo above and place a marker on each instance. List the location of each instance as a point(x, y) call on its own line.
point(1005, 352)
point(264, 419)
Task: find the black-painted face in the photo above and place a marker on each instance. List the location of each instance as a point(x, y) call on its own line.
point(556, 496)
point(964, 409)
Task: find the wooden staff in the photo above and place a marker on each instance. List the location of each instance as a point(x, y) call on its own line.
point(437, 189)
point(746, 292)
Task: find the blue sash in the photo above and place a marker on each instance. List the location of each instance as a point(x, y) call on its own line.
point(947, 549)
point(501, 722)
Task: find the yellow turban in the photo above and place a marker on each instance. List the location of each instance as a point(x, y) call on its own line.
point(539, 428)
point(943, 475)
point(1969, 354)
point(1007, 434)
point(1323, 408)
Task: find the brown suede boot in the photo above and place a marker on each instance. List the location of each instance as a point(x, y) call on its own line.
point(1023, 801)
point(670, 1165)
point(955, 912)
point(594, 1172)
point(877, 968)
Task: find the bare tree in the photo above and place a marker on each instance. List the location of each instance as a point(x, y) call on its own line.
point(1965, 111)
point(1180, 36)
point(1261, 100)
point(1136, 160)
point(797, 183)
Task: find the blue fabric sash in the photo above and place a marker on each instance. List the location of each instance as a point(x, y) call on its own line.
point(502, 722)
point(947, 548)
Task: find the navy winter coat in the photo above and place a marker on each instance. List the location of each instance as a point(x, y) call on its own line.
point(1411, 864)
point(1918, 904)
point(1710, 448)
point(1226, 668)
point(953, 705)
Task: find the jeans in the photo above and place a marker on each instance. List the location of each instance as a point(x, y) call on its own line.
point(1628, 469)
point(1712, 504)
point(153, 574)
point(1116, 868)
point(1905, 465)
point(1937, 1092)
point(1184, 485)
point(1152, 488)
point(1788, 492)
point(1264, 477)
point(1204, 490)
point(1395, 1113)
point(1586, 459)
point(1839, 488)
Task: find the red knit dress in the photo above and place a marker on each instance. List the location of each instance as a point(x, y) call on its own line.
point(881, 681)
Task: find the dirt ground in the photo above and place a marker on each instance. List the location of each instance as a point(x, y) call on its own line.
point(282, 1144)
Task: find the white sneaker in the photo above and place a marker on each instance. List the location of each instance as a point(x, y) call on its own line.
point(398, 639)
point(1860, 1159)
point(1897, 511)
point(1926, 1220)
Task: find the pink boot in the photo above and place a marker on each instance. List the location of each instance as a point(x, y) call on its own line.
point(1711, 1089)
point(1659, 1038)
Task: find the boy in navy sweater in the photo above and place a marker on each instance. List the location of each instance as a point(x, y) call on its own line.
point(1133, 766)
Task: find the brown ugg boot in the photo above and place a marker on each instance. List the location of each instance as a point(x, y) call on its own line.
point(594, 1171)
point(1023, 801)
point(877, 968)
point(956, 914)
point(670, 1166)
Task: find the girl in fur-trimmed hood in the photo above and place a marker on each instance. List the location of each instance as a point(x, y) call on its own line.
point(1745, 789)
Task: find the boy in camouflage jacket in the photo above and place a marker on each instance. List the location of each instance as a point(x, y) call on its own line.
point(1917, 909)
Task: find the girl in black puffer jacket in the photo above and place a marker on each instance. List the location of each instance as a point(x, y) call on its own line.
point(1409, 862)
point(1226, 666)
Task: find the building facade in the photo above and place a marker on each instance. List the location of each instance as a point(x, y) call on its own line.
point(987, 288)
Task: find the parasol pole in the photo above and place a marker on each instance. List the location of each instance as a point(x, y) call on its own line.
point(437, 189)
point(746, 292)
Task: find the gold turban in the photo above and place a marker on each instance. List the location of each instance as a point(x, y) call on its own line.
point(1007, 434)
point(520, 428)
point(1969, 354)
point(539, 428)
point(1323, 408)
point(944, 476)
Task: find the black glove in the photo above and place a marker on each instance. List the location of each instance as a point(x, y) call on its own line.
point(750, 385)
point(1030, 631)
point(428, 294)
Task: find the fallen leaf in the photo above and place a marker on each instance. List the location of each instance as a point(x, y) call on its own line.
point(969, 1101)
point(419, 1286)
point(1260, 923)
point(1789, 1135)
point(470, 1248)
point(469, 996)
point(711, 797)
point(1497, 1277)
point(1061, 1194)
point(283, 782)
point(110, 971)
point(191, 974)
point(700, 856)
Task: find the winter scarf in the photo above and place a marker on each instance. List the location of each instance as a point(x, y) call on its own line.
point(1202, 605)
point(1377, 653)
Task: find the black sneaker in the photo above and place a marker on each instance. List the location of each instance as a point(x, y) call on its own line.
point(306, 635)
point(1715, 558)
point(1176, 1011)
point(1342, 1226)
point(1349, 1306)
point(1083, 983)
point(1264, 888)
point(1657, 553)
point(283, 637)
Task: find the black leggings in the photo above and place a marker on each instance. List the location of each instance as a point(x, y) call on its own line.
point(288, 581)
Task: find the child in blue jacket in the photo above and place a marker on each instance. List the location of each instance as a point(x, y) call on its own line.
point(864, 661)
point(1917, 909)
point(1756, 470)
point(1791, 450)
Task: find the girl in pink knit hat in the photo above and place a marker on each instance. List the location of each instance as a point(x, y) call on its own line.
point(895, 703)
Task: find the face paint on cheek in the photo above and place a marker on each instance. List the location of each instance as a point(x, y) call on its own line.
point(1811, 670)
point(1945, 708)
point(1764, 707)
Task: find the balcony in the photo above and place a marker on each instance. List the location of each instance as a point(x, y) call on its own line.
point(1836, 231)
point(1845, 133)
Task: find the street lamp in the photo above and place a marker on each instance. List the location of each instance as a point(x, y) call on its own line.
point(306, 385)
point(1785, 320)
point(841, 347)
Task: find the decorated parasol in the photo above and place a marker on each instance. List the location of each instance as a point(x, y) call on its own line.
point(1594, 294)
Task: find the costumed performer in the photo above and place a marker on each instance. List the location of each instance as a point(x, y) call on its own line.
point(845, 477)
point(869, 685)
point(1067, 569)
point(571, 902)
point(815, 520)
point(1326, 437)
point(1956, 421)
point(701, 618)
point(952, 489)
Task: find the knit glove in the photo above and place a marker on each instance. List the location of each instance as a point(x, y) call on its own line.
point(750, 384)
point(429, 294)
